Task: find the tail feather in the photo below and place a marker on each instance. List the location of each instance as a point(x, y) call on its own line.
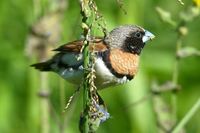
point(43, 66)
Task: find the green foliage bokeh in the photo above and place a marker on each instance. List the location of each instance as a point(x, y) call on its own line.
point(20, 104)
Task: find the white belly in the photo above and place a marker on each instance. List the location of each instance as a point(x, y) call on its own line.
point(104, 78)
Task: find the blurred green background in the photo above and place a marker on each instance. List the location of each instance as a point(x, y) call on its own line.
point(23, 111)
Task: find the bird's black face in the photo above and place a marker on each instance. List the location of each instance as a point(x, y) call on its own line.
point(134, 42)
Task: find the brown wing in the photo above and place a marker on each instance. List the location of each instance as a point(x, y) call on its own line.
point(96, 44)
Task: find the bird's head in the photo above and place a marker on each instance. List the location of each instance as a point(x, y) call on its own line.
point(130, 38)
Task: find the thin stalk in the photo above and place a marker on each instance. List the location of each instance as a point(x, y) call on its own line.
point(187, 117)
point(86, 14)
point(62, 93)
point(86, 89)
point(175, 80)
point(44, 88)
point(62, 96)
point(176, 72)
point(44, 92)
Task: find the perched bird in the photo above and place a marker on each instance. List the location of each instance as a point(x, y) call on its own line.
point(116, 57)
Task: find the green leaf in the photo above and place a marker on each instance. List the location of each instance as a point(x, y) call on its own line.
point(165, 16)
point(188, 51)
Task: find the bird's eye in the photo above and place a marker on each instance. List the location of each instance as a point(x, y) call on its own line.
point(138, 35)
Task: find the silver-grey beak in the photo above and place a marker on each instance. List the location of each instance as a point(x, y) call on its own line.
point(147, 36)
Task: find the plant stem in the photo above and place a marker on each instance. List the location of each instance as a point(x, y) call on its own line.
point(44, 93)
point(62, 97)
point(86, 13)
point(175, 80)
point(187, 117)
point(85, 89)
point(176, 72)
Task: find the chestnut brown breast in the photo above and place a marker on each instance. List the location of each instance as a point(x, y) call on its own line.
point(124, 63)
